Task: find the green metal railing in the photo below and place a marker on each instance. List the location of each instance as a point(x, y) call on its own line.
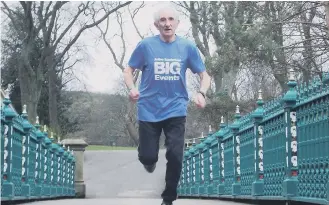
point(280, 151)
point(33, 166)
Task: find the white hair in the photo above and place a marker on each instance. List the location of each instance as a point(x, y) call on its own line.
point(157, 13)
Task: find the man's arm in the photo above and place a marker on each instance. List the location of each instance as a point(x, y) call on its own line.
point(129, 77)
point(196, 65)
point(129, 80)
point(204, 82)
point(136, 61)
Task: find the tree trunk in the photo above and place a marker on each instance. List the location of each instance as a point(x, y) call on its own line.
point(282, 79)
point(280, 74)
point(229, 79)
point(225, 82)
point(29, 94)
point(130, 119)
point(52, 102)
point(218, 82)
point(52, 92)
point(132, 132)
point(326, 9)
point(307, 68)
point(29, 85)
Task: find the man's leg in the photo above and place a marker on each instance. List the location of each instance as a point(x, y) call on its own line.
point(174, 130)
point(148, 148)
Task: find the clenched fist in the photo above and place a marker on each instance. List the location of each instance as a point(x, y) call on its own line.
point(199, 100)
point(134, 94)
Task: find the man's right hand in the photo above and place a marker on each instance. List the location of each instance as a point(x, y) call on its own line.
point(134, 94)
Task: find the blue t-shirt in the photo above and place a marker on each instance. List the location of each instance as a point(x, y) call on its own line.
point(163, 92)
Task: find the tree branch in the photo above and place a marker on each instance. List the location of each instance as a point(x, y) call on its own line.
point(108, 44)
point(71, 24)
point(132, 16)
point(9, 14)
point(90, 26)
point(195, 24)
point(43, 22)
point(47, 37)
point(48, 7)
point(119, 20)
point(326, 8)
point(300, 12)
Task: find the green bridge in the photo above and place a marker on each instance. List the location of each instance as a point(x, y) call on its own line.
point(280, 151)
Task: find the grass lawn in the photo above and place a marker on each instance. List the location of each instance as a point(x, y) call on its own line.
point(101, 147)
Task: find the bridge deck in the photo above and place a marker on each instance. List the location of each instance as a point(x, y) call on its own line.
point(118, 178)
point(131, 201)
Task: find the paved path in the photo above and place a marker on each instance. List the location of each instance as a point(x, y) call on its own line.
point(120, 174)
point(118, 178)
point(132, 201)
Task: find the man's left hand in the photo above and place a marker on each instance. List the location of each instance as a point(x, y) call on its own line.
point(199, 100)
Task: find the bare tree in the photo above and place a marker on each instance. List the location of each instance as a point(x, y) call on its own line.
point(130, 117)
point(40, 21)
point(326, 7)
point(296, 39)
point(220, 23)
point(284, 35)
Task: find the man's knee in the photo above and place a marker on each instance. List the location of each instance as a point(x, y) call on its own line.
point(174, 154)
point(147, 160)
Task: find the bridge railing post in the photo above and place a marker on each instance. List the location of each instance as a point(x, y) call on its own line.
point(236, 186)
point(258, 183)
point(290, 183)
point(193, 170)
point(38, 160)
point(200, 150)
point(27, 127)
point(7, 142)
point(53, 171)
point(208, 163)
point(47, 164)
point(78, 146)
point(221, 184)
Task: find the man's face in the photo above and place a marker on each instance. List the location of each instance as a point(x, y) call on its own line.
point(167, 23)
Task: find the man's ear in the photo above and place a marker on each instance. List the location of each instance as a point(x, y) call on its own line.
point(156, 25)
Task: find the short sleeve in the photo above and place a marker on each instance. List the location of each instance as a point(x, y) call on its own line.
point(136, 60)
point(195, 62)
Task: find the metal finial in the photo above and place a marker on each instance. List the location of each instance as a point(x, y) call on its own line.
point(24, 109)
point(37, 120)
point(193, 140)
point(237, 111)
point(201, 135)
point(260, 96)
point(59, 139)
point(68, 148)
point(52, 135)
point(222, 120)
point(209, 128)
point(291, 75)
point(45, 128)
point(63, 145)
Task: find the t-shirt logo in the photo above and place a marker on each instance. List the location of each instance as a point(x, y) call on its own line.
point(167, 68)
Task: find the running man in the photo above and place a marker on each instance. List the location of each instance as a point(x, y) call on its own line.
point(162, 96)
